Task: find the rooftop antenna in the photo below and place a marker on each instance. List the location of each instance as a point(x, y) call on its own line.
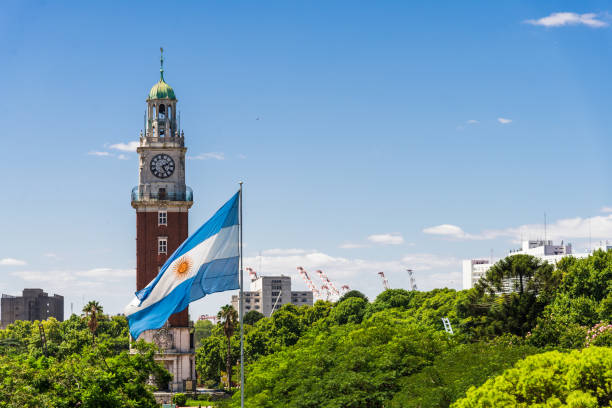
point(590, 247)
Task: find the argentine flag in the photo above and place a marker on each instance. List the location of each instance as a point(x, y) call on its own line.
point(207, 262)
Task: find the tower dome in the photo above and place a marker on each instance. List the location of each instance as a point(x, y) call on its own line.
point(161, 90)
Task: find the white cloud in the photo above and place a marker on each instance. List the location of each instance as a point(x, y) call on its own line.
point(386, 239)
point(598, 227)
point(125, 147)
point(472, 122)
point(504, 121)
point(107, 273)
point(209, 155)
point(447, 230)
point(350, 245)
point(122, 157)
point(606, 209)
point(101, 154)
point(280, 252)
point(567, 18)
point(12, 262)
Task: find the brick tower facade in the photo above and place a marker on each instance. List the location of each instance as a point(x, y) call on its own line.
point(162, 201)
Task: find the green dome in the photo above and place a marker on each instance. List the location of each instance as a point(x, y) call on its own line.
point(161, 90)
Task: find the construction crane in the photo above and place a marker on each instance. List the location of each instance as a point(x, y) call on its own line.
point(413, 285)
point(384, 280)
point(329, 283)
point(325, 288)
point(345, 288)
point(252, 274)
point(311, 286)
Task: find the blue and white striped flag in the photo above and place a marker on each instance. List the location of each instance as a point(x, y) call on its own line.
point(207, 262)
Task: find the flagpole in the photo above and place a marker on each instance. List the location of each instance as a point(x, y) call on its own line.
point(241, 309)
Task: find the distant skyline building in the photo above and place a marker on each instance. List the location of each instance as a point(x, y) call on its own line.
point(474, 269)
point(33, 304)
point(270, 293)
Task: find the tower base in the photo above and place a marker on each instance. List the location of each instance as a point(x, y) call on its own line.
point(177, 355)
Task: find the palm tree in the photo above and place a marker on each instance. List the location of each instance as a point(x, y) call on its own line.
point(93, 310)
point(228, 317)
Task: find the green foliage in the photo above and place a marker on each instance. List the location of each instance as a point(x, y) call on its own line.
point(454, 371)
point(489, 309)
point(600, 335)
point(252, 316)
point(201, 330)
point(352, 294)
point(349, 365)
point(349, 311)
point(553, 379)
point(179, 399)
point(589, 277)
point(74, 372)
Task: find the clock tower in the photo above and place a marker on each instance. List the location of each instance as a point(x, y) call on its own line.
point(162, 201)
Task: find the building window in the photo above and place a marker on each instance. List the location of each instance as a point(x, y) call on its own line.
point(275, 293)
point(276, 287)
point(256, 306)
point(162, 218)
point(162, 245)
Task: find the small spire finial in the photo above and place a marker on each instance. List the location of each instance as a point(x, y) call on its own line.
point(161, 63)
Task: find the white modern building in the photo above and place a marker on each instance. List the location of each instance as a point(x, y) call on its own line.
point(270, 293)
point(474, 269)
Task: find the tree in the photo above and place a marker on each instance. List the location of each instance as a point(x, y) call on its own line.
point(454, 372)
point(351, 294)
point(351, 310)
point(510, 297)
point(201, 330)
point(252, 316)
point(228, 317)
point(93, 310)
point(554, 379)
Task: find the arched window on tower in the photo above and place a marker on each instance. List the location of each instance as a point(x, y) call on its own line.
point(162, 112)
point(153, 114)
point(169, 112)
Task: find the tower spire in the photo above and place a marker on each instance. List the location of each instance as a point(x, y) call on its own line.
point(161, 63)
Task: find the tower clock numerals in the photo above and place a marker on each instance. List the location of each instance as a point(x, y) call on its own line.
point(162, 166)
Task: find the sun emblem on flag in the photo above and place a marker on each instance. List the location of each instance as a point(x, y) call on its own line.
point(182, 267)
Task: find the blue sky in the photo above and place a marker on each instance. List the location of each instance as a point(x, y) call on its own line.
point(370, 135)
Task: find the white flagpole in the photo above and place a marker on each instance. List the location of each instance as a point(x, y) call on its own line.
point(241, 310)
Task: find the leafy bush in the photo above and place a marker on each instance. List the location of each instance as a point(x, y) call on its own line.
point(179, 399)
point(600, 335)
point(552, 379)
point(454, 371)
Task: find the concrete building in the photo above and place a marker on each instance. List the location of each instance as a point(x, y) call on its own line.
point(474, 269)
point(33, 304)
point(270, 293)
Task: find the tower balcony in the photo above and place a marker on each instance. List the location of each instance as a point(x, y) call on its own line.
point(162, 195)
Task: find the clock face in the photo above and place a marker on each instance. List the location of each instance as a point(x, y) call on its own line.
point(162, 166)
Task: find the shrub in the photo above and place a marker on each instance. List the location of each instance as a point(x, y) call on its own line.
point(600, 335)
point(578, 379)
point(179, 398)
